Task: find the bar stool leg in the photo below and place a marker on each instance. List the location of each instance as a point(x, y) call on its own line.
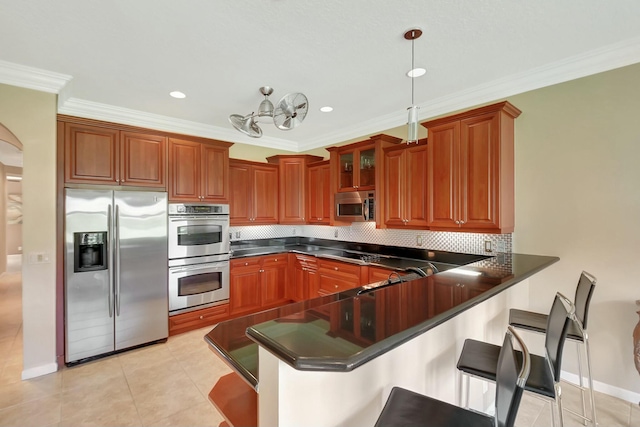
point(584, 407)
point(590, 378)
point(559, 404)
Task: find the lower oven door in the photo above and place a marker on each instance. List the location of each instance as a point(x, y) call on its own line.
point(192, 287)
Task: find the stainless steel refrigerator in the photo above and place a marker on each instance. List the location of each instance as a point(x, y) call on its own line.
point(115, 271)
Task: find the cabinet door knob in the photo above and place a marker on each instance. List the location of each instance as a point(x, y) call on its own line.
point(335, 268)
point(276, 260)
point(335, 286)
point(246, 263)
point(201, 317)
point(457, 222)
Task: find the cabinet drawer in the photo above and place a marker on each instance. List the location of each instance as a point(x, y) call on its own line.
point(308, 262)
point(197, 319)
point(245, 262)
point(342, 267)
point(274, 260)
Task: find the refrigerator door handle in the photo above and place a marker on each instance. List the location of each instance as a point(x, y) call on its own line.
point(110, 261)
point(117, 260)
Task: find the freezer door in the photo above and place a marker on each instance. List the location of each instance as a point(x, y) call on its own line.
point(141, 257)
point(89, 321)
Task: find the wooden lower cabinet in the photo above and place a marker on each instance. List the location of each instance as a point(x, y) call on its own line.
point(274, 280)
point(304, 281)
point(197, 319)
point(378, 274)
point(336, 276)
point(258, 283)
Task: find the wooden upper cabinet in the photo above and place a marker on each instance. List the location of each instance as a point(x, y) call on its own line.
point(405, 186)
point(103, 155)
point(194, 169)
point(471, 170)
point(184, 170)
point(215, 173)
point(292, 169)
point(265, 194)
point(356, 167)
point(318, 193)
point(91, 154)
point(199, 172)
point(253, 193)
point(143, 160)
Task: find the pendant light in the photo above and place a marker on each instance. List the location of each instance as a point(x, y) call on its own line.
point(412, 135)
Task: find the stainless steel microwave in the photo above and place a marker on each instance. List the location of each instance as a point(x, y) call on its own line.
point(355, 206)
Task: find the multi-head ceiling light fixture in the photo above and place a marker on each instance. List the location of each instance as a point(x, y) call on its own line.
point(412, 136)
point(288, 113)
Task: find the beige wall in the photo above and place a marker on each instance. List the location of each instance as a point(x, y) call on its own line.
point(31, 117)
point(578, 197)
point(3, 210)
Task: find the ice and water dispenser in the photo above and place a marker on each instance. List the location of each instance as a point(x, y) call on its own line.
point(90, 251)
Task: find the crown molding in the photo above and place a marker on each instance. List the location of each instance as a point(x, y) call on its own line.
point(595, 61)
point(574, 67)
point(32, 78)
point(110, 113)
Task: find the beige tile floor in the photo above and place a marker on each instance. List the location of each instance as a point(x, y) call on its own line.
point(166, 385)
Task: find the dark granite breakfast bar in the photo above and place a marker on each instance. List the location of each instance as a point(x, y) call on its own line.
point(341, 332)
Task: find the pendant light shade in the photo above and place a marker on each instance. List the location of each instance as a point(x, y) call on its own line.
point(412, 122)
point(412, 135)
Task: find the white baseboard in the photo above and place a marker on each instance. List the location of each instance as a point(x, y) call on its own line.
point(620, 393)
point(39, 371)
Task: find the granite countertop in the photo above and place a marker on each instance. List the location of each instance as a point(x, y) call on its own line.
point(398, 258)
point(343, 331)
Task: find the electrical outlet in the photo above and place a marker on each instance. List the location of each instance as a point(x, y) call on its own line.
point(38, 258)
point(335, 233)
point(293, 231)
point(237, 234)
point(419, 240)
point(487, 245)
point(500, 246)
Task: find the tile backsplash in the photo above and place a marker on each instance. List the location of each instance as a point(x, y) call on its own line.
point(365, 232)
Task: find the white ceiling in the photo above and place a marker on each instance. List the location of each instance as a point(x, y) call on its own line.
point(118, 60)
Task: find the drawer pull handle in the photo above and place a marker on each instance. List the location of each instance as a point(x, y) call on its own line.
point(201, 317)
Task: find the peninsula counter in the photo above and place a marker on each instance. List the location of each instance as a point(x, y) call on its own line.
point(332, 361)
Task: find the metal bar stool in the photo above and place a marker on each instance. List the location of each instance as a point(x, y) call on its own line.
point(407, 408)
point(478, 358)
point(537, 322)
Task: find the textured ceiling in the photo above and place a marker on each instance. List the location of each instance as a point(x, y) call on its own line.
point(123, 57)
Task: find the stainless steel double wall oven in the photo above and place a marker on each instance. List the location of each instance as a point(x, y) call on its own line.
point(198, 256)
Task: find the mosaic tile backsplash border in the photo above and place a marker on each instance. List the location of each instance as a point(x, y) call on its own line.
point(366, 232)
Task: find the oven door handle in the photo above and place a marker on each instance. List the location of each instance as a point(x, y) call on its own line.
point(212, 268)
point(200, 218)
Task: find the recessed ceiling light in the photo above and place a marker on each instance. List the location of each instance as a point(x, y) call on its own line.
point(326, 109)
point(177, 94)
point(416, 72)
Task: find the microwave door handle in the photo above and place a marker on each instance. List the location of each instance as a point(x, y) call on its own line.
point(365, 212)
point(110, 259)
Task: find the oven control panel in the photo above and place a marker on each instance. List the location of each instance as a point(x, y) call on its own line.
point(197, 209)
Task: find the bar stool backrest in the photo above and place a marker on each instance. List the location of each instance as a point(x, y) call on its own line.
point(557, 327)
point(510, 380)
point(584, 291)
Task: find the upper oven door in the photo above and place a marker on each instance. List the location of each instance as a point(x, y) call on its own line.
point(198, 236)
